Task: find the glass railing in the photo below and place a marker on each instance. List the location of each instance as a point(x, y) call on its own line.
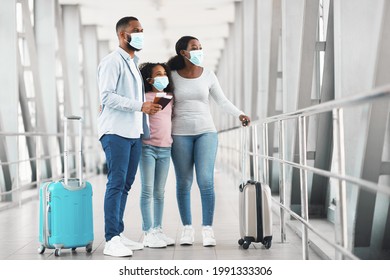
point(238, 151)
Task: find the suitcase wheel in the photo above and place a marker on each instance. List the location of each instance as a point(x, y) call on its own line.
point(88, 248)
point(246, 244)
point(41, 249)
point(267, 244)
point(246, 241)
point(57, 252)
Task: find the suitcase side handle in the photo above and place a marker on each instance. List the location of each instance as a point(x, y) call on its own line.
point(66, 150)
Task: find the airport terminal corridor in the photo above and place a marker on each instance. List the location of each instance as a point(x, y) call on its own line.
point(19, 235)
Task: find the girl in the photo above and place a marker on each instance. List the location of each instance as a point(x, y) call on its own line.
point(155, 157)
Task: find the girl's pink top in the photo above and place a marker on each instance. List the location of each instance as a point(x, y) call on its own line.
point(160, 125)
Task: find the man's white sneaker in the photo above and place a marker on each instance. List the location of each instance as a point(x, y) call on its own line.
point(130, 243)
point(161, 235)
point(208, 236)
point(115, 248)
point(151, 240)
point(187, 235)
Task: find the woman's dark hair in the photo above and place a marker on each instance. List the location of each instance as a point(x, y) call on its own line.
point(146, 72)
point(177, 62)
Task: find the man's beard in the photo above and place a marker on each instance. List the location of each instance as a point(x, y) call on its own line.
point(132, 48)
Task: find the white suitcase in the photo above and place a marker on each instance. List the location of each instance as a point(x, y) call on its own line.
point(255, 213)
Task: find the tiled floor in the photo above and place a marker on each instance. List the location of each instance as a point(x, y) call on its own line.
point(19, 229)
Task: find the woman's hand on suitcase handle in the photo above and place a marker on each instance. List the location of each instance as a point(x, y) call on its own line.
point(245, 120)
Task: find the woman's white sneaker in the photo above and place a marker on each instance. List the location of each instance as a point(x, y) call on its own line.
point(151, 240)
point(187, 235)
point(208, 236)
point(115, 248)
point(161, 235)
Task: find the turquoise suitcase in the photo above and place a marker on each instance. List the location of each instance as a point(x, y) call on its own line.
point(65, 210)
point(66, 218)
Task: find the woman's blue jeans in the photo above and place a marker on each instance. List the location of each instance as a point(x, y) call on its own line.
point(199, 151)
point(154, 167)
point(122, 156)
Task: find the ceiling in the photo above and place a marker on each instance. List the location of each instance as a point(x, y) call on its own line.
point(164, 22)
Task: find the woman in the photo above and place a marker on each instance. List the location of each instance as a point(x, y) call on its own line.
point(194, 134)
point(156, 155)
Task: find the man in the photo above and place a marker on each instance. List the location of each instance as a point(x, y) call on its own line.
point(121, 123)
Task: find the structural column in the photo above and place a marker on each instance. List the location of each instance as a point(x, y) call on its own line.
point(45, 40)
point(380, 238)
point(292, 30)
point(238, 57)
point(103, 49)
point(361, 63)
point(248, 62)
point(9, 93)
point(72, 31)
point(91, 92)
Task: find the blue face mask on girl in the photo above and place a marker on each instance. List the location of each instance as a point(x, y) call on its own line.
point(196, 57)
point(160, 83)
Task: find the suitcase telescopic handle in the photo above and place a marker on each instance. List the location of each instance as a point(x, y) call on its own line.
point(66, 149)
point(244, 148)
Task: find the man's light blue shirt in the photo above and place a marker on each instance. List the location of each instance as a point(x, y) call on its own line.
point(120, 97)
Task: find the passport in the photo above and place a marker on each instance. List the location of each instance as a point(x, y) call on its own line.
point(162, 98)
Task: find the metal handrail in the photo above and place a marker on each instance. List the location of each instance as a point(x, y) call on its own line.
point(2, 133)
point(363, 98)
point(17, 187)
point(309, 226)
point(367, 185)
point(336, 107)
